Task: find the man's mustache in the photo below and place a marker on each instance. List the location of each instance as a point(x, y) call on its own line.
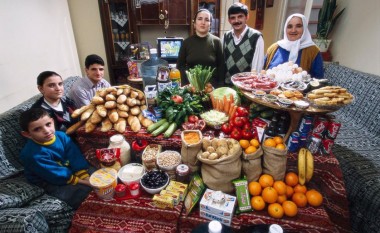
point(237, 23)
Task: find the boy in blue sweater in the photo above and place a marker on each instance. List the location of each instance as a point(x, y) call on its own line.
point(52, 160)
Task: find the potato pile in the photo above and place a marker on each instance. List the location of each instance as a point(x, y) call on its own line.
point(219, 148)
point(113, 107)
point(330, 95)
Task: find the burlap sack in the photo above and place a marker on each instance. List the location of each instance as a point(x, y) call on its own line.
point(274, 162)
point(251, 165)
point(218, 174)
point(189, 151)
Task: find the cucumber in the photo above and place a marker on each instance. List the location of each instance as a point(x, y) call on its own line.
point(155, 126)
point(266, 114)
point(172, 127)
point(161, 129)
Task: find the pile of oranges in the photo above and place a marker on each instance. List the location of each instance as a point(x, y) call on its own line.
point(282, 197)
point(249, 147)
point(275, 142)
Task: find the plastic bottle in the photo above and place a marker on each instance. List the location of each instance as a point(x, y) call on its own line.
point(118, 141)
point(149, 73)
point(214, 227)
point(175, 77)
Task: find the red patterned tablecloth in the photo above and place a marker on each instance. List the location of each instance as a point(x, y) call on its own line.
point(139, 215)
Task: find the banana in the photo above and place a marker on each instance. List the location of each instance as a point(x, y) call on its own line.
point(309, 165)
point(302, 166)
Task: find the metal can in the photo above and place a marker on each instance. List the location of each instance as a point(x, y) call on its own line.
point(305, 124)
point(303, 139)
point(327, 145)
point(320, 126)
point(314, 143)
point(333, 129)
point(293, 142)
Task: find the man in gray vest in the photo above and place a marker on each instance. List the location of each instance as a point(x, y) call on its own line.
point(243, 46)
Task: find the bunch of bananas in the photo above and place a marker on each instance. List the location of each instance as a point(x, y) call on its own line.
point(305, 166)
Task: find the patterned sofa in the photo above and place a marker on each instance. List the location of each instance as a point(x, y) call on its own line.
point(358, 146)
point(24, 207)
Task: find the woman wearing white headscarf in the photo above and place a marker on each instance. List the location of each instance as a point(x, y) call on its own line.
point(297, 46)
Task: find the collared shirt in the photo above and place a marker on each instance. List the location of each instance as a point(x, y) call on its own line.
point(84, 90)
point(258, 56)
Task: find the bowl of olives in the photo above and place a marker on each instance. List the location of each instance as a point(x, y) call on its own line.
point(154, 181)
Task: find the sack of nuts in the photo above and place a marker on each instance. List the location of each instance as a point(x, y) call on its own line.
point(149, 156)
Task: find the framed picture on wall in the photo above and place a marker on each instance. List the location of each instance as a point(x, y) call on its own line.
point(253, 5)
point(270, 3)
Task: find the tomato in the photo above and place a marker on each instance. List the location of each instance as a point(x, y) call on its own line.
point(193, 119)
point(245, 120)
point(247, 126)
point(238, 122)
point(242, 111)
point(247, 134)
point(226, 128)
point(177, 99)
point(235, 134)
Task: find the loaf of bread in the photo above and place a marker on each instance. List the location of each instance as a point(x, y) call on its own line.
point(113, 115)
point(120, 125)
point(106, 125)
point(74, 127)
point(135, 124)
point(86, 114)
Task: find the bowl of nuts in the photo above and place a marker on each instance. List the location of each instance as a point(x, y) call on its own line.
point(154, 181)
point(168, 160)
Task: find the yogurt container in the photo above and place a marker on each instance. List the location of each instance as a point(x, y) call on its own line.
point(104, 182)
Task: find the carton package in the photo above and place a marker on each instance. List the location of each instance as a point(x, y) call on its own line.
point(224, 221)
point(217, 204)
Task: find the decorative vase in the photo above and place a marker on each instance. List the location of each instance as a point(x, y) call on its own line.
point(323, 44)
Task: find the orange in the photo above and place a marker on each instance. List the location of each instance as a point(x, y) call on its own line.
point(266, 180)
point(244, 143)
point(254, 142)
point(258, 203)
point(278, 139)
point(281, 198)
point(300, 199)
point(270, 142)
point(269, 195)
point(275, 210)
point(291, 179)
point(280, 187)
point(250, 150)
point(289, 191)
point(254, 188)
point(280, 146)
point(300, 189)
point(314, 198)
point(290, 208)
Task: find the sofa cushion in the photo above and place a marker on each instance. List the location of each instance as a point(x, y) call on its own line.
point(16, 192)
point(22, 220)
point(57, 213)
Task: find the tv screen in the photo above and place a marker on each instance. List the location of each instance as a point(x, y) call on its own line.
point(168, 48)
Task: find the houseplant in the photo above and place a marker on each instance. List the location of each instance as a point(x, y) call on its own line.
point(326, 22)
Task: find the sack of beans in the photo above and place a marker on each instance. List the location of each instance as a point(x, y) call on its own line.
point(149, 156)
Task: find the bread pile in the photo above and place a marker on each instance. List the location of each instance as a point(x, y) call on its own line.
point(288, 94)
point(330, 95)
point(113, 107)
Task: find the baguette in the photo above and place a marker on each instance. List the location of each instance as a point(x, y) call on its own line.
point(89, 127)
point(123, 107)
point(110, 97)
point(95, 118)
point(113, 116)
point(146, 122)
point(79, 111)
point(123, 114)
point(102, 111)
point(86, 114)
point(120, 125)
point(121, 99)
point(135, 124)
point(97, 100)
point(74, 127)
point(106, 125)
point(119, 91)
point(110, 104)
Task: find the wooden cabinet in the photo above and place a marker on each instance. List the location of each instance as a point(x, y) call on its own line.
point(162, 12)
point(214, 7)
point(119, 32)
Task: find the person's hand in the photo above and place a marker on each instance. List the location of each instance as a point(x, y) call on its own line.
point(85, 181)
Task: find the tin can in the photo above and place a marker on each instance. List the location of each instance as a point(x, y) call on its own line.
point(303, 139)
point(327, 145)
point(314, 143)
point(293, 142)
point(320, 126)
point(333, 129)
point(305, 124)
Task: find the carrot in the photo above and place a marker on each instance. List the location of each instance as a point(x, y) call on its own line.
point(232, 98)
point(220, 105)
point(233, 111)
point(212, 100)
point(227, 107)
point(217, 104)
point(224, 102)
point(231, 108)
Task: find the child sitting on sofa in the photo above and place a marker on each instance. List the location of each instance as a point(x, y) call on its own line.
point(52, 160)
point(50, 84)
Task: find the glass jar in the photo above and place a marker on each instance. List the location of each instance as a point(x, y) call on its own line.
point(183, 173)
point(118, 141)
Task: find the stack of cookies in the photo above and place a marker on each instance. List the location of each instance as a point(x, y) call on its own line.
point(330, 96)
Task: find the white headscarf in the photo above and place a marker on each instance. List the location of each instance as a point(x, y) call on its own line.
point(294, 46)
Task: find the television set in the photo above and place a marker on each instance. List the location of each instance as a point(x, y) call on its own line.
point(168, 48)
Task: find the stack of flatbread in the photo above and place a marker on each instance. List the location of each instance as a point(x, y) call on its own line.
point(330, 95)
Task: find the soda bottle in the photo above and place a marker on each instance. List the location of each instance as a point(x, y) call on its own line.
point(175, 77)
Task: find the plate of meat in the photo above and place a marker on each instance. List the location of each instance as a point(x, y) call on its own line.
point(249, 82)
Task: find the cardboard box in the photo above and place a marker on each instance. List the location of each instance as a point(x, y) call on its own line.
point(224, 209)
point(224, 221)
